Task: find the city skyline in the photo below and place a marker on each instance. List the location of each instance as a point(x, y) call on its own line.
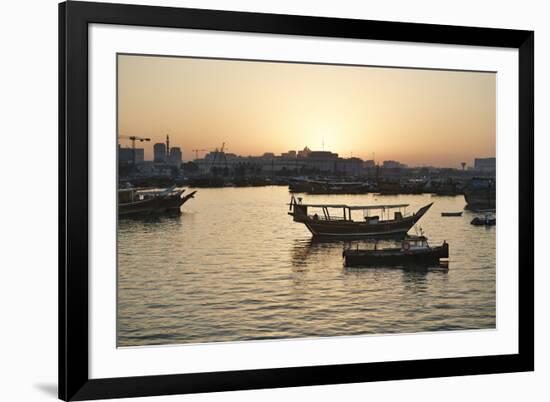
point(417, 117)
point(204, 154)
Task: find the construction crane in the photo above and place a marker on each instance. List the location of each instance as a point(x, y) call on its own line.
point(218, 150)
point(134, 138)
point(215, 151)
point(220, 153)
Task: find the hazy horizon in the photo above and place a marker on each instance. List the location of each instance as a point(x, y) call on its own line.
point(417, 117)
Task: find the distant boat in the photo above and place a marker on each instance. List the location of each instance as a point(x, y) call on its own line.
point(344, 226)
point(326, 186)
point(451, 213)
point(388, 187)
point(446, 187)
point(207, 181)
point(414, 250)
point(145, 202)
point(480, 193)
point(487, 220)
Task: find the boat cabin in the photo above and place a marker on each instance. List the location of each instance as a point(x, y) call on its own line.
point(128, 195)
point(414, 243)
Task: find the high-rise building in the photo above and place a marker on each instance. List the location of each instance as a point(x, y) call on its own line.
point(485, 164)
point(176, 155)
point(159, 152)
point(369, 163)
point(304, 153)
point(126, 155)
point(390, 164)
point(289, 154)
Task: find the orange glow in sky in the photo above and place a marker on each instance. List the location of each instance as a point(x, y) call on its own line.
point(418, 117)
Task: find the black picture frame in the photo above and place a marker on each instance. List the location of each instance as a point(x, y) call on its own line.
point(74, 381)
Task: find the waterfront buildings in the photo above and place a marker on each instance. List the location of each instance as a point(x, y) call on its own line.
point(168, 161)
point(486, 165)
point(126, 155)
point(159, 152)
point(304, 161)
point(393, 165)
point(369, 164)
point(176, 156)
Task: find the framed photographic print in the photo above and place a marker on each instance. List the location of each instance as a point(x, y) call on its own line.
point(258, 200)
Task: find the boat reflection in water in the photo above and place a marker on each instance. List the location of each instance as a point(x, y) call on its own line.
point(233, 267)
point(140, 202)
point(355, 255)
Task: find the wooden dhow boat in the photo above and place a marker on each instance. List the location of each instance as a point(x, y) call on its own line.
point(377, 219)
point(414, 251)
point(137, 202)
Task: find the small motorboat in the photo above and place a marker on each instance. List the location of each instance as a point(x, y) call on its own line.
point(414, 250)
point(487, 220)
point(451, 213)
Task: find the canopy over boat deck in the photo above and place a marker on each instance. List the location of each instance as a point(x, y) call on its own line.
point(381, 209)
point(355, 207)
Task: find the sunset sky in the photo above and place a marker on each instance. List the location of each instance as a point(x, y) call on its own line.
point(418, 117)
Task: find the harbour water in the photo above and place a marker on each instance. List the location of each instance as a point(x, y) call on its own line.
point(234, 267)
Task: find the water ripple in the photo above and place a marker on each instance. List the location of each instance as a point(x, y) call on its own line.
point(235, 267)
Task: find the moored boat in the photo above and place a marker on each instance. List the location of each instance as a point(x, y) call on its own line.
point(459, 213)
point(480, 193)
point(414, 250)
point(377, 219)
point(310, 186)
point(133, 202)
point(487, 220)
